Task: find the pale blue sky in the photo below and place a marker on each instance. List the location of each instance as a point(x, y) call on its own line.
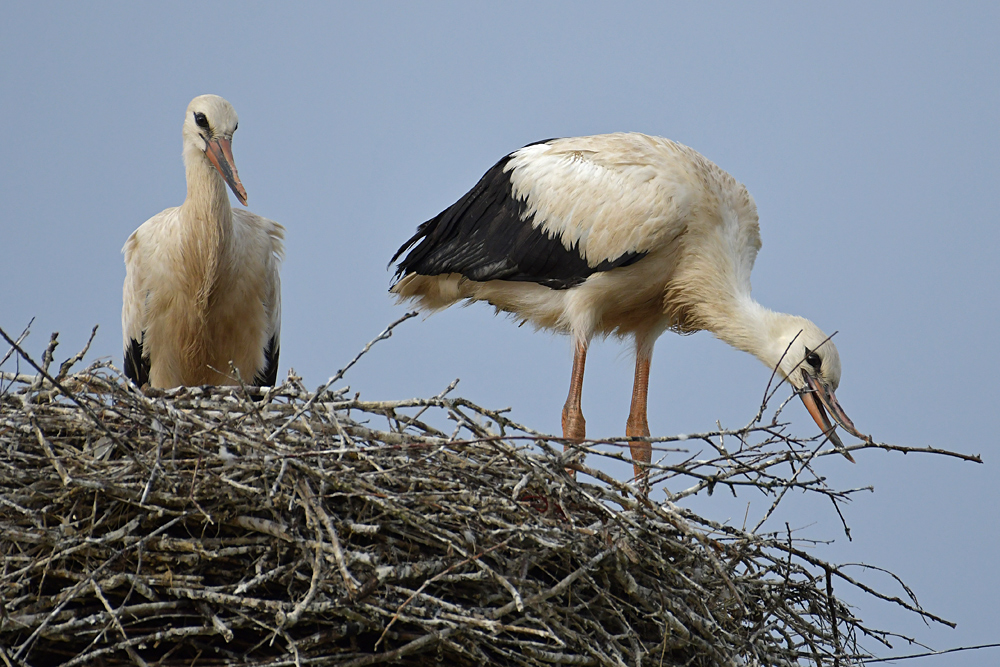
point(867, 133)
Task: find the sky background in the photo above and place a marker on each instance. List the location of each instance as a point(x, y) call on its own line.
point(866, 132)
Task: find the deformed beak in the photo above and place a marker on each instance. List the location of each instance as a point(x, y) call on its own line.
point(815, 399)
point(220, 152)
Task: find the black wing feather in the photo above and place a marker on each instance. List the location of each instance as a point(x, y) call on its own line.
point(485, 236)
point(136, 367)
point(268, 375)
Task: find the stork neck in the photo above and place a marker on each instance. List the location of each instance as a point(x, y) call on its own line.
point(749, 326)
point(208, 219)
point(207, 201)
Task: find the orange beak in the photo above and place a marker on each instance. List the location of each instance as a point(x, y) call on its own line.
point(815, 398)
point(220, 152)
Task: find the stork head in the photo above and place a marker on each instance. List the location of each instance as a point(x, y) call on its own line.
point(810, 362)
point(208, 130)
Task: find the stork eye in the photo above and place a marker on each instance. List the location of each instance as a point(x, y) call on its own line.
point(200, 119)
point(813, 359)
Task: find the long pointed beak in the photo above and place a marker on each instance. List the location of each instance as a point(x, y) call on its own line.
point(818, 397)
point(220, 152)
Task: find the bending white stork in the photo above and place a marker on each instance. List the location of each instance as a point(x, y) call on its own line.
point(201, 286)
point(622, 234)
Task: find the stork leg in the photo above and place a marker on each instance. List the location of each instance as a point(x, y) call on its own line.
point(637, 425)
point(573, 424)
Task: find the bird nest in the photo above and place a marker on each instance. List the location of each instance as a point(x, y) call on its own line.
point(210, 526)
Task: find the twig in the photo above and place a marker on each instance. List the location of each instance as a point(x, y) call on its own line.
point(90, 413)
point(417, 645)
point(430, 581)
point(20, 339)
point(928, 654)
point(387, 333)
point(591, 572)
point(65, 367)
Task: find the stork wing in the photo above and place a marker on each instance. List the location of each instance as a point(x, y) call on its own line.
point(133, 315)
point(268, 236)
point(267, 376)
point(557, 212)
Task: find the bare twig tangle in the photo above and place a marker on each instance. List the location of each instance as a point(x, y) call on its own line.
point(205, 525)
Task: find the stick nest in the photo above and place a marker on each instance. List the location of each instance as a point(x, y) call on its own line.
point(210, 526)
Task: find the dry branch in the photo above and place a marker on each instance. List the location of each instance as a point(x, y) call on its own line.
point(210, 526)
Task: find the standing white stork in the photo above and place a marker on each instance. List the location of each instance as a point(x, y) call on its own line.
point(201, 286)
point(622, 234)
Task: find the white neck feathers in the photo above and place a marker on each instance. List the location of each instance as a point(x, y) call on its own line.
point(207, 199)
point(208, 219)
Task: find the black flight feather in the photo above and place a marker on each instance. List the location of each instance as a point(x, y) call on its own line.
point(268, 375)
point(485, 236)
point(136, 367)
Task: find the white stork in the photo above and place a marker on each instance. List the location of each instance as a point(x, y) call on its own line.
point(201, 286)
point(621, 234)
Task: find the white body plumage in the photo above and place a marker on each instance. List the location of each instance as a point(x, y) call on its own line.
point(620, 234)
point(202, 287)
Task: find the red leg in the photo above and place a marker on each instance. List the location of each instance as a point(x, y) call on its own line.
point(637, 425)
point(573, 424)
